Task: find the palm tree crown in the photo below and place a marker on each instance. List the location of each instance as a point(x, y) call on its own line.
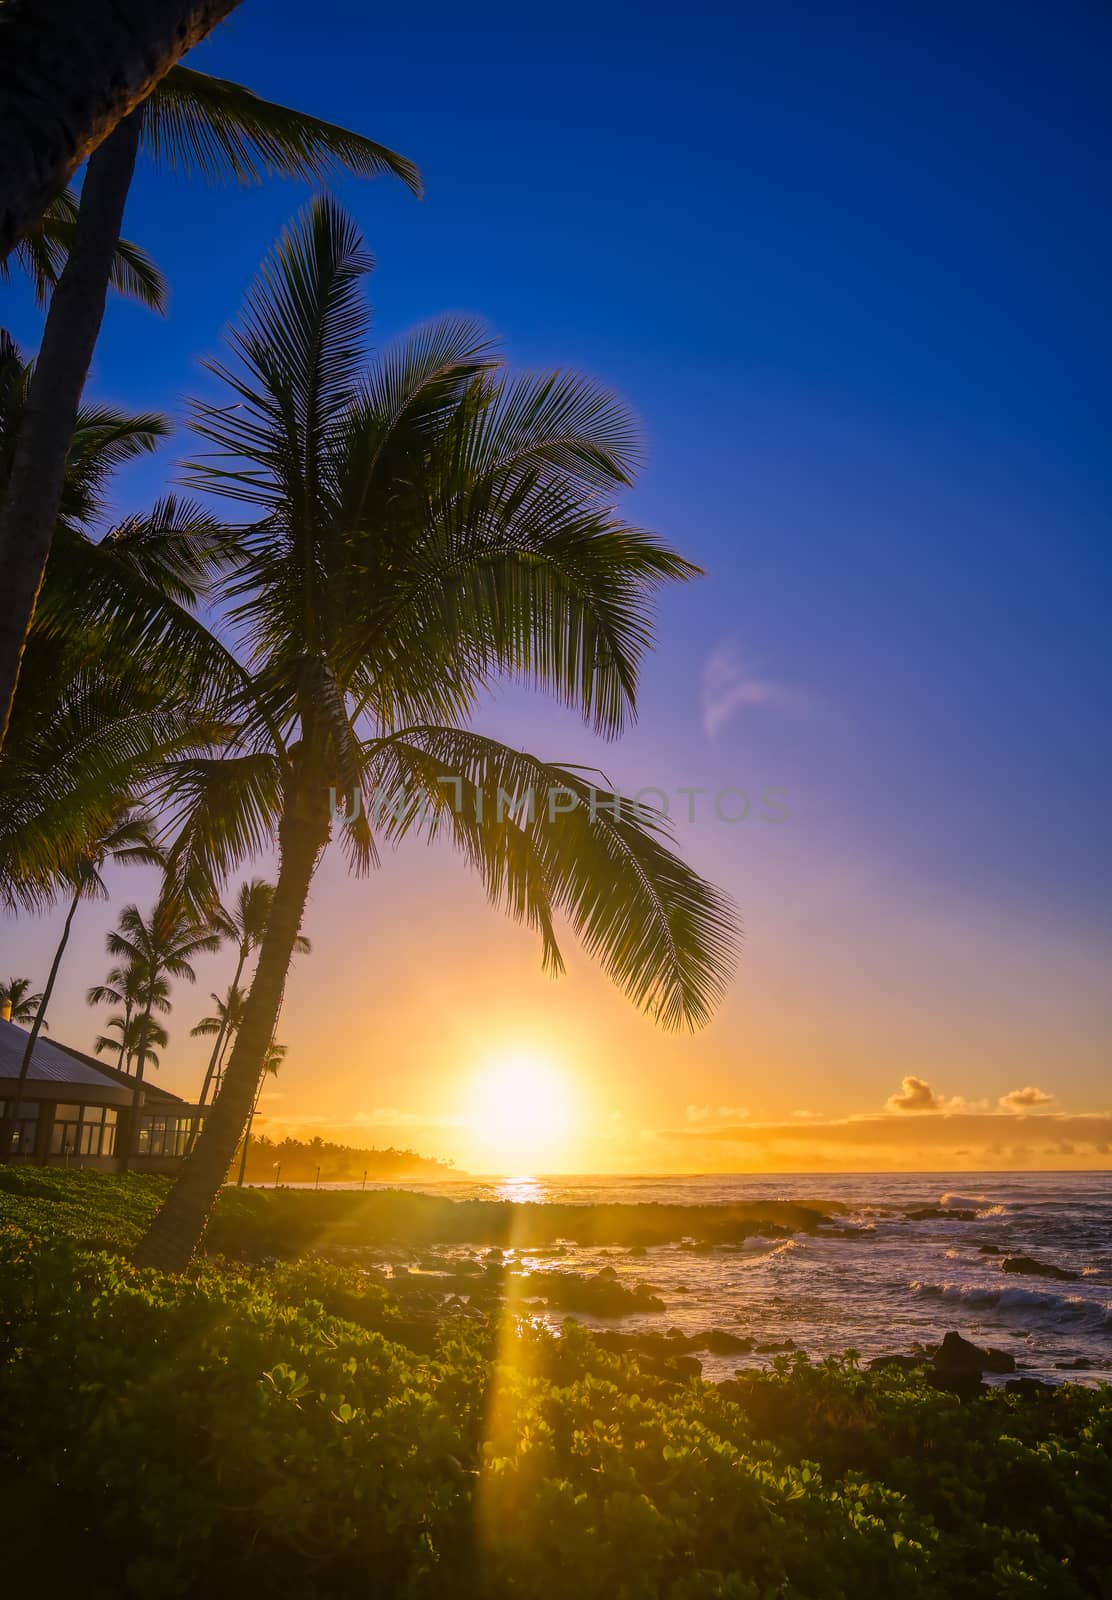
point(422, 527)
point(16, 993)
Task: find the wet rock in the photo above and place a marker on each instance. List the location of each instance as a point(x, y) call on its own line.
point(958, 1355)
point(1029, 1388)
point(1031, 1268)
point(775, 1347)
point(637, 1250)
point(989, 1250)
point(1078, 1364)
point(721, 1342)
point(601, 1296)
point(897, 1363)
point(468, 1266)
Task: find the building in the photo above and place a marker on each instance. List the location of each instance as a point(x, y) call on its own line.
point(77, 1112)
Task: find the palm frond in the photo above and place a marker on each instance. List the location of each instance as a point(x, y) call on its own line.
point(43, 250)
point(197, 124)
point(665, 936)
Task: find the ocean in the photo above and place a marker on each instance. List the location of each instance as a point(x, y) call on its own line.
point(876, 1280)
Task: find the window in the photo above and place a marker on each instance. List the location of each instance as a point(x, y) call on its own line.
point(23, 1132)
point(164, 1135)
point(83, 1131)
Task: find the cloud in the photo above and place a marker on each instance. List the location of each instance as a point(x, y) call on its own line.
point(1024, 1099)
point(989, 1139)
point(916, 1095)
point(717, 1113)
point(729, 687)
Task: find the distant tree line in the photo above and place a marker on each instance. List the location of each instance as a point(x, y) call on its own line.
point(338, 1163)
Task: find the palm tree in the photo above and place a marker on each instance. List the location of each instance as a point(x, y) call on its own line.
point(129, 987)
point(193, 123)
point(128, 841)
point(134, 1034)
point(162, 945)
point(242, 924)
point(272, 1061)
point(22, 1005)
point(103, 703)
point(57, 111)
point(422, 529)
point(44, 247)
point(223, 1025)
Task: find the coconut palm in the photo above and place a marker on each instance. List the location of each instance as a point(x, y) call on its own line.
point(127, 840)
point(161, 945)
point(272, 1061)
point(191, 123)
point(57, 111)
point(44, 247)
point(133, 1035)
point(129, 987)
point(243, 924)
point(422, 529)
point(102, 702)
point(221, 1026)
point(23, 1005)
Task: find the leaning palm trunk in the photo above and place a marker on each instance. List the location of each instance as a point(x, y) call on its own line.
point(216, 1060)
point(16, 1105)
point(177, 1230)
point(70, 71)
point(30, 508)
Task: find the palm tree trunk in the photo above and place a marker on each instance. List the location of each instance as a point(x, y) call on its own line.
point(16, 1105)
point(30, 507)
point(247, 1136)
point(177, 1230)
point(70, 70)
point(222, 1036)
point(123, 1038)
point(131, 1143)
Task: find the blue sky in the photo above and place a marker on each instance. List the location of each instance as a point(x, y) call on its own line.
point(851, 266)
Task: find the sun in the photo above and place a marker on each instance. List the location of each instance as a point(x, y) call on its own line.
point(520, 1109)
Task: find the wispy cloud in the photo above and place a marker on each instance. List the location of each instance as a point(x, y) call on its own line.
point(717, 1113)
point(729, 686)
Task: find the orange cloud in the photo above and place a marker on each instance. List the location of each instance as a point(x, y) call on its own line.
point(1024, 1099)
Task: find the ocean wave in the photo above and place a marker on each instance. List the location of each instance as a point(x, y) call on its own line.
point(1053, 1308)
point(963, 1202)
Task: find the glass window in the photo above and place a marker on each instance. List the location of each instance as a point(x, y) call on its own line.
point(67, 1113)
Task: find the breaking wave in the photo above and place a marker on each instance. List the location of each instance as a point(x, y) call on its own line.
point(1055, 1309)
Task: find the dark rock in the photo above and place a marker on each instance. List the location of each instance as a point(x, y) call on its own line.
point(1029, 1388)
point(897, 1363)
point(1037, 1269)
point(958, 1355)
point(988, 1249)
point(1078, 1364)
point(966, 1385)
point(775, 1347)
point(637, 1250)
point(467, 1265)
point(720, 1342)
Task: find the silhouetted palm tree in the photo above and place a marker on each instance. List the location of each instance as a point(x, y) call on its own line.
point(163, 944)
point(128, 841)
point(419, 531)
point(133, 1035)
point(243, 924)
point(129, 987)
point(272, 1061)
point(191, 123)
point(16, 993)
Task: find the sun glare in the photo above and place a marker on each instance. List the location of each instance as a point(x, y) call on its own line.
point(520, 1109)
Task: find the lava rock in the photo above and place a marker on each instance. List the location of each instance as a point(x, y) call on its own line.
point(1029, 1388)
point(1031, 1268)
point(958, 1355)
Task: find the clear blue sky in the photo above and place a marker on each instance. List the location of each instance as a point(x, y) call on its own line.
point(852, 266)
